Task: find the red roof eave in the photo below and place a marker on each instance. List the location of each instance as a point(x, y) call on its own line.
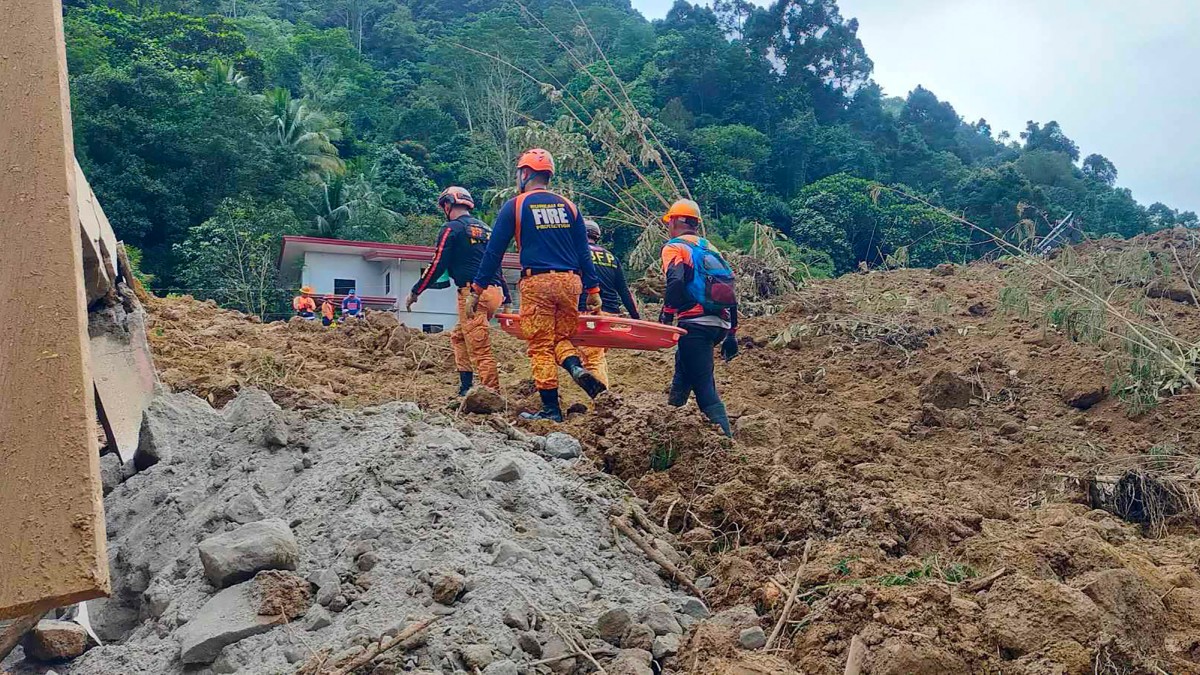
point(374, 251)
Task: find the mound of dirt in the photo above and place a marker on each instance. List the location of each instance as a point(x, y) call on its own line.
point(918, 431)
point(398, 516)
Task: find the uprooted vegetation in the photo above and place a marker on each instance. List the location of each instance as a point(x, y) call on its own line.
point(939, 462)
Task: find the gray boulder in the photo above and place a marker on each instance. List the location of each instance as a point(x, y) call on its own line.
point(229, 616)
point(503, 470)
point(111, 472)
point(661, 620)
point(55, 641)
point(563, 446)
point(752, 638)
point(612, 625)
point(236, 556)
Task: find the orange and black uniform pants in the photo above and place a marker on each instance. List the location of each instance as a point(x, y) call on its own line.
point(549, 317)
point(471, 340)
point(594, 358)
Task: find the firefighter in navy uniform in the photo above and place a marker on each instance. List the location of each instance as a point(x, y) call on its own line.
point(614, 292)
point(556, 266)
point(460, 247)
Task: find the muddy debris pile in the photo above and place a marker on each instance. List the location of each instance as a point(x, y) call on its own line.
point(262, 541)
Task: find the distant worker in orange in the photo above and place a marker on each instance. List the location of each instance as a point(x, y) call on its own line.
point(701, 296)
point(460, 246)
point(614, 292)
point(328, 312)
point(556, 266)
point(305, 306)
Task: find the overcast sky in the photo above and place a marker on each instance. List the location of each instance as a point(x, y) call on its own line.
point(1119, 76)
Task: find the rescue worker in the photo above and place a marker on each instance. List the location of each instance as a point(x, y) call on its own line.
point(328, 317)
point(460, 247)
point(351, 305)
point(556, 266)
point(700, 295)
point(304, 304)
point(614, 292)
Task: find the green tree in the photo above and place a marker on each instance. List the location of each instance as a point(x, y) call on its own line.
point(1100, 168)
point(231, 257)
point(305, 131)
point(735, 149)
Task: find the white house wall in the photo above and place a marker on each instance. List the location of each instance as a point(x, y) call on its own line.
point(320, 269)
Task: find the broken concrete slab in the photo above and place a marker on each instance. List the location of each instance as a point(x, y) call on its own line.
point(236, 556)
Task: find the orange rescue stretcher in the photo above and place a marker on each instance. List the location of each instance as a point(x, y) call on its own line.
point(611, 332)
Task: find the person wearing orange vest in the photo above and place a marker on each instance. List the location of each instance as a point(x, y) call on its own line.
point(556, 266)
point(700, 295)
point(614, 292)
point(304, 305)
point(327, 311)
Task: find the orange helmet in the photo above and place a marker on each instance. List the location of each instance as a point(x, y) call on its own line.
point(456, 196)
point(684, 208)
point(536, 159)
point(306, 290)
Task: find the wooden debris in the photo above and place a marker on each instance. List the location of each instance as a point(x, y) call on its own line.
point(11, 635)
point(316, 665)
point(791, 600)
point(983, 583)
point(856, 656)
point(655, 555)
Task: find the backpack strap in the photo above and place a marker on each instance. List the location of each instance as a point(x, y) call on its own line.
point(518, 206)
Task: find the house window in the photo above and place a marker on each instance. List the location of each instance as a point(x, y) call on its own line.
point(432, 328)
point(387, 284)
point(344, 286)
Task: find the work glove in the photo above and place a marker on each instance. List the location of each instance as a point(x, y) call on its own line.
point(594, 303)
point(472, 304)
point(729, 348)
point(412, 300)
point(666, 317)
point(506, 308)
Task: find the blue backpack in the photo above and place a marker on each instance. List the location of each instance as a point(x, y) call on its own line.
point(712, 285)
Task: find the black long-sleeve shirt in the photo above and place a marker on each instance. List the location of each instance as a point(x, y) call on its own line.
point(613, 290)
point(459, 250)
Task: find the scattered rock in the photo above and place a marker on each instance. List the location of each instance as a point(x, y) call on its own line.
point(483, 401)
point(503, 667)
point(752, 638)
point(329, 587)
point(367, 561)
point(631, 662)
point(477, 656)
point(507, 551)
point(111, 472)
point(660, 619)
point(503, 470)
point(448, 587)
point(944, 270)
point(613, 624)
point(529, 643)
point(229, 616)
point(245, 508)
point(235, 556)
point(947, 390)
point(555, 648)
point(664, 646)
point(514, 619)
point(979, 309)
point(904, 658)
point(283, 593)
point(1010, 428)
point(694, 607)
point(639, 636)
point(563, 446)
point(317, 618)
point(55, 641)
point(1084, 396)
point(1065, 613)
point(762, 429)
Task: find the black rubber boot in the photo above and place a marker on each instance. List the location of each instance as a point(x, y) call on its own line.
point(679, 394)
point(717, 415)
point(550, 409)
point(465, 380)
point(582, 377)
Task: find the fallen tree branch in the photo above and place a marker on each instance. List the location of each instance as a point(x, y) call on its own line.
point(316, 664)
point(976, 585)
point(791, 600)
point(11, 637)
point(655, 555)
point(576, 643)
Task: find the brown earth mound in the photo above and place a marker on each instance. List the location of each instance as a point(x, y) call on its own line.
point(919, 432)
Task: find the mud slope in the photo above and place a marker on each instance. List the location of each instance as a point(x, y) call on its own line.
point(919, 431)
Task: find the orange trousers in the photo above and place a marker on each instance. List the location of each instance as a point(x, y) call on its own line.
point(471, 340)
point(594, 358)
point(549, 316)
